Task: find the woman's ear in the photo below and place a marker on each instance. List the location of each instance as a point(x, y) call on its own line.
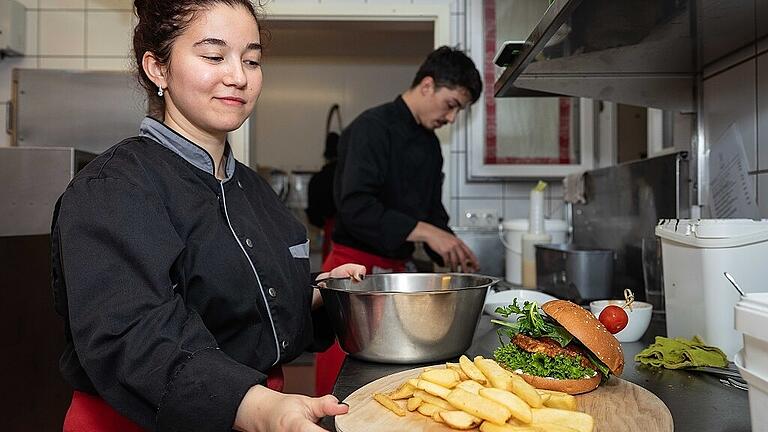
point(154, 69)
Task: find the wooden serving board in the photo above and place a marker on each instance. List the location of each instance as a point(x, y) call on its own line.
point(617, 405)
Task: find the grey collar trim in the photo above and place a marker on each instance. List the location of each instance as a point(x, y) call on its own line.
point(185, 148)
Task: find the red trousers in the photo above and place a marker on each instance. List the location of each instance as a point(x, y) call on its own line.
point(89, 413)
point(328, 363)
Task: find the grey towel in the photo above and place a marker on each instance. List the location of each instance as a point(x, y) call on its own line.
point(573, 186)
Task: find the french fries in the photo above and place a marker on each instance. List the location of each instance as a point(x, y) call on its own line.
point(479, 406)
point(428, 409)
point(447, 378)
point(576, 420)
point(556, 399)
point(458, 419)
point(457, 368)
point(434, 400)
point(480, 393)
point(516, 406)
point(413, 403)
point(403, 392)
point(389, 404)
point(471, 370)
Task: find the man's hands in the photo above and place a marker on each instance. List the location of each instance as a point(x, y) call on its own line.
point(265, 410)
point(454, 252)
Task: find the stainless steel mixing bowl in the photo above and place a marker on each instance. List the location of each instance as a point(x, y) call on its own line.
point(406, 317)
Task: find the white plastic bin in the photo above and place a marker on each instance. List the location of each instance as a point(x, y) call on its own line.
point(758, 395)
point(695, 253)
point(513, 243)
point(751, 318)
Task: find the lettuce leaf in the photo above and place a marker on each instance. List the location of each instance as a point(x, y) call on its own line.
point(559, 367)
point(531, 323)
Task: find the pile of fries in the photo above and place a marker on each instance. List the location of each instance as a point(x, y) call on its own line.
point(481, 393)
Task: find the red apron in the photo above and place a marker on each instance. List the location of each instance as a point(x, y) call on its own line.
point(89, 413)
point(328, 363)
point(327, 235)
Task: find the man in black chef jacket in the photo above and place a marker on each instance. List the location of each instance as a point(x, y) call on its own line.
point(388, 180)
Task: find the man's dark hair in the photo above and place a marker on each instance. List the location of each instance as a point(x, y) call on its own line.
point(451, 68)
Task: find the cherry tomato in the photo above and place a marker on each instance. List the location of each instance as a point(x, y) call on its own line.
point(614, 318)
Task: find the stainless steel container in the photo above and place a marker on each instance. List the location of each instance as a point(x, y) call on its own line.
point(574, 273)
point(406, 317)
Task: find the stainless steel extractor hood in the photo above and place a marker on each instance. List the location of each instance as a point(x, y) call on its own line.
point(637, 52)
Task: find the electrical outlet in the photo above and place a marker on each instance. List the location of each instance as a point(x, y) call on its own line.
point(480, 218)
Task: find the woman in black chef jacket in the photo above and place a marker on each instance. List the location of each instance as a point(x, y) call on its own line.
point(183, 282)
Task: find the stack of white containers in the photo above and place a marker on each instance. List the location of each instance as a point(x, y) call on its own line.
point(695, 254)
point(751, 315)
point(700, 300)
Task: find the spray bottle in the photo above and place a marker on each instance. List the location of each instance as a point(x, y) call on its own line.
point(535, 235)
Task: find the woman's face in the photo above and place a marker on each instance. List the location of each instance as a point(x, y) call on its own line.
point(214, 76)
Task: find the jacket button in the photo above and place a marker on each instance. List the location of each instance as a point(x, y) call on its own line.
point(240, 185)
point(272, 292)
point(284, 344)
point(248, 243)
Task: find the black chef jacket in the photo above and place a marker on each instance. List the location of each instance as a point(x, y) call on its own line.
point(389, 177)
point(179, 291)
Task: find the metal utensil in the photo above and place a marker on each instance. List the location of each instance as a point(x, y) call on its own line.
point(406, 317)
point(733, 282)
point(730, 382)
point(725, 372)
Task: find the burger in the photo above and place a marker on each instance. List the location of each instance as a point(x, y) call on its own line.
point(567, 350)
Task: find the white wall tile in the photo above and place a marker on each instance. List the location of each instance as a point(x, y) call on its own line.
point(474, 189)
point(518, 189)
point(65, 63)
point(31, 42)
point(108, 64)
point(762, 112)
point(110, 4)
point(108, 33)
point(29, 4)
point(516, 208)
point(62, 4)
point(62, 33)
point(6, 69)
point(477, 205)
point(729, 98)
point(5, 139)
point(762, 195)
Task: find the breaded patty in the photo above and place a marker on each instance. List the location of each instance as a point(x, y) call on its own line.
point(550, 348)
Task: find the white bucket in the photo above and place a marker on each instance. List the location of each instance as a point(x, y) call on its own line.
point(751, 318)
point(513, 230)
point(695, 253)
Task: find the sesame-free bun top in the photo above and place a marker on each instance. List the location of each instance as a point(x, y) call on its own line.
point(589, 331)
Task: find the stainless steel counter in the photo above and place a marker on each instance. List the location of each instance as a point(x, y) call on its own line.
point(697, 402)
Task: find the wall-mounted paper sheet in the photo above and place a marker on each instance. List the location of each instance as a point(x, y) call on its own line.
point(732, 191)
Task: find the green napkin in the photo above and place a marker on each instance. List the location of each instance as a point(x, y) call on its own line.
point(681, 353)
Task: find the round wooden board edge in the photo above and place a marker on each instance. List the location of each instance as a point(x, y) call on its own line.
point(398, 377)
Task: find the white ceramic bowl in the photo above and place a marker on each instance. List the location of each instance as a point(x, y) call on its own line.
point(505, 298)
point(639, 318)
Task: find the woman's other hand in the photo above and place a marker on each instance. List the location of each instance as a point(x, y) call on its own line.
point(265, 410)
point(355, 271)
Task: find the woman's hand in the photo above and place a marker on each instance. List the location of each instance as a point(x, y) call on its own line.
point(265, 410)
point(355, 271)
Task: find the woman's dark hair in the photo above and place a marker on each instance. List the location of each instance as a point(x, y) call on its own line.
point(451, 68)
point(160, 23)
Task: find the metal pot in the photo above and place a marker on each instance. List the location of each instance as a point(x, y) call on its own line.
point(406, 317)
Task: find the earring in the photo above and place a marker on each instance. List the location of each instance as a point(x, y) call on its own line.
point(160, 91)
